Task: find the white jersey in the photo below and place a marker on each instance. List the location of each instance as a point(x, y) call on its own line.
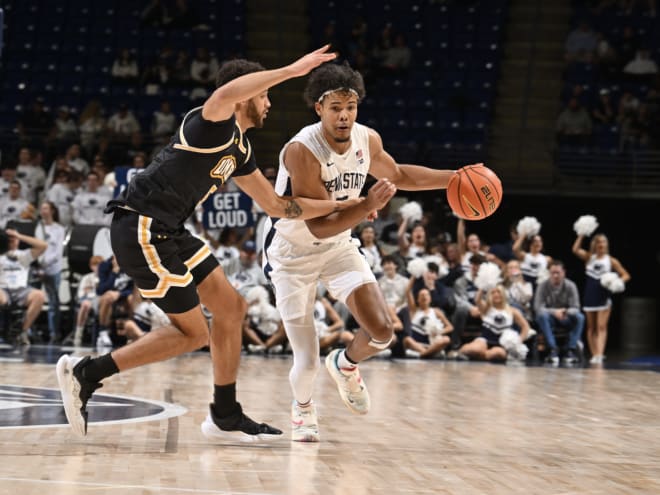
point(15, 268)
point(343, 176)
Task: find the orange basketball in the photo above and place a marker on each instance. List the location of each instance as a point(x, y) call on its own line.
point(474, 192)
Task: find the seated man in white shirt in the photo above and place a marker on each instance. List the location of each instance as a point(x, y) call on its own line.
point(14, 272)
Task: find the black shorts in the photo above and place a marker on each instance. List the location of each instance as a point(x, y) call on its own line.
point(166, 264)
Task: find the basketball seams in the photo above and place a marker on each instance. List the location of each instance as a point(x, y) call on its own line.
point(495, 187)
point(476, 191)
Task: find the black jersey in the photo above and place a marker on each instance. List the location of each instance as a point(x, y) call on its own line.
point(200, 157)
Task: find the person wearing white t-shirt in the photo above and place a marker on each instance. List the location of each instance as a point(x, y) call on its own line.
point(14, 272)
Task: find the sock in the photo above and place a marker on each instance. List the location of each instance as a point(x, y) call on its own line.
point(224, 399)
point(99, 368)
point(344, 362)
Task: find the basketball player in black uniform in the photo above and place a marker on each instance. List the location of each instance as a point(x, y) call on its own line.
point(177, 270)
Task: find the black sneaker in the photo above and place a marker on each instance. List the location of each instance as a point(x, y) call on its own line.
point(571, 357)
point(75, 391)
point(237, 427)
point(552, 358)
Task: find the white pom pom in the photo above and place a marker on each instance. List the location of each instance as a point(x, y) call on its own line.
point(257, 294)
point(612, 282)
point(528, 226)
point(411, 211)
point(488, 276)
point(585, 225)
point(416, 267)
point(510, 339)
point(543, 275)
point(433, 328)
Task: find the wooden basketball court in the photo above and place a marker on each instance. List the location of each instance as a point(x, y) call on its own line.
point(435, 428)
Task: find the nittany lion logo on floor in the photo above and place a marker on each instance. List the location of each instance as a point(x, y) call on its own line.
point(30, 407)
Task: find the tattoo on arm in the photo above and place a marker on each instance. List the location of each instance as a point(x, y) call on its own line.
point(292, 209)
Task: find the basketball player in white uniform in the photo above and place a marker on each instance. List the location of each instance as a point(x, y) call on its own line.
point(332, 159)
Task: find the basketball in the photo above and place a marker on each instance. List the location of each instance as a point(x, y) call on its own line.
point(474, 192)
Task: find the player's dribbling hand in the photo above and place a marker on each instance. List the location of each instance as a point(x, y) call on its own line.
point(380, 193)
point(312, 60)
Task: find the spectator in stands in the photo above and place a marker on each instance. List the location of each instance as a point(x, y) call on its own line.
point(497, 316)
point(203, 67)
point(533, 263)
point(557, 305)
point(574, 125)
point(88, 205)
point(62, 192)
point(180, 71)
point(50, 264)
point(14, 207)
point(603, 112)
point(225, 249)
point(122, 124)
point(155, 78)
point(143, 317)
point(371, 249)
point(114, 287)
point(466, 313)
point(9, 174)
point(262, 328)
point(163, 121)
point(597, 302)
point(581, 44)
point(392, 284)
point(246, 272)
point(86, 298)
point(429, 324)
point(396, 59)
point(91, 125)
point(454, 265)
point(519, 291)
point(65, 129)
point(31, 175)
point(125, 68)
point(14, 274)
point(629, 122)
point(34, 124)
point(606, 58)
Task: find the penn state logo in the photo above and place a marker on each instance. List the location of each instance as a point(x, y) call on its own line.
point(11, 209)
point(499, 319)
point(92, 202)
point(224, 168)
point(534, 265)
point(32, 407)
point(69, 199)
point(598, 267)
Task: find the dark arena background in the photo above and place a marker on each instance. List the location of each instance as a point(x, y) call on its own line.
point(561, 99)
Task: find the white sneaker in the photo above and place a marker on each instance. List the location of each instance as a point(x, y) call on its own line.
point(596, 359)
point(351, 388)
point(276, 349)
point(75, 392)
point(411, 353)
point(304, 425)
point(104, 340)
point(256, 348)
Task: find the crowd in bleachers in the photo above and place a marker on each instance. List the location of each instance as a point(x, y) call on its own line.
point(611, 92)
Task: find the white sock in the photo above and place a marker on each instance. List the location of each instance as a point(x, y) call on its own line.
point(343, 362)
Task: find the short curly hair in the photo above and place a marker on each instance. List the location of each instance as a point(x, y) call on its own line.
point(333, 76)
point(231, 69)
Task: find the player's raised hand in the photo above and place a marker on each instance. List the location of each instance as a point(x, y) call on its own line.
point(380, 193)
point(312, 60)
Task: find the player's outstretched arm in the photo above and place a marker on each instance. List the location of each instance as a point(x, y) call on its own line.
point(258, 188)
point(220, 105)
point(403, 176)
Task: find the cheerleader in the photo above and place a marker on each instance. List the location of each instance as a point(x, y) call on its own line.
point(597, 302)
